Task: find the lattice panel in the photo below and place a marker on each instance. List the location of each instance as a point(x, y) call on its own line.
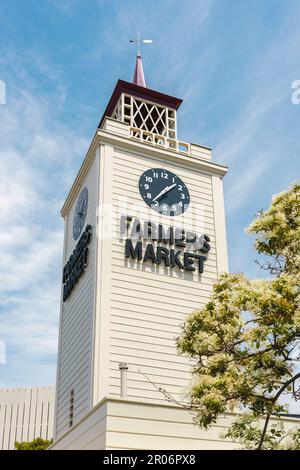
point(149, 117)
point(146, 116)
point(117, 114)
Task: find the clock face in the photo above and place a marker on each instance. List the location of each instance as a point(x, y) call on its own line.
point(164, 191)
point(80, 213)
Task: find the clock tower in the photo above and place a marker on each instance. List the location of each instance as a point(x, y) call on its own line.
point(144, 241)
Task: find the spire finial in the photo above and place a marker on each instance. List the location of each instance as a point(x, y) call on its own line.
point(138, 76)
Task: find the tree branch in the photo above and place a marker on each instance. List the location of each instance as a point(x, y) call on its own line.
point(259, 447)
point(274, 400)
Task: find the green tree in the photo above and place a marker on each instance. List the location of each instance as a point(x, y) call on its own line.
point(244, 342)
point(36, 444)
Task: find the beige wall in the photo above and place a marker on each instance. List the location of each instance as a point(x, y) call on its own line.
point(76, 320)
point(148, 302)
point(124, 310)
point(25, 413)
point(130, 425)
point(141, 306)
point(135, 425)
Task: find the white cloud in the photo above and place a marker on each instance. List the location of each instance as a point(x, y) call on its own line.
point(67, 7)
point(37, 161)
point(242, 187)
point(249, 143)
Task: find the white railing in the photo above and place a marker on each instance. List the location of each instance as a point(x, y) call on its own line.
point(160, 141)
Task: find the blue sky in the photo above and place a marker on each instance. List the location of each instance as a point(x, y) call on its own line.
point(232, 62)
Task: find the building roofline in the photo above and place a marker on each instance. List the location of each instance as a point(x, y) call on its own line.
point(102, 136)
point(139, 92)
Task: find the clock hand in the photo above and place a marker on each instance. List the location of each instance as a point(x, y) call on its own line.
point(164, 191)
point(81, 212)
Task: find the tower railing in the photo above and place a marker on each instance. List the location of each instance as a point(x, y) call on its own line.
point(161, 141)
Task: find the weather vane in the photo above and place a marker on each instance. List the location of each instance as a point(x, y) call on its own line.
point(138, 41)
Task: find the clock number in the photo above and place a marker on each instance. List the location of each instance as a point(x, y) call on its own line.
point(170, 194)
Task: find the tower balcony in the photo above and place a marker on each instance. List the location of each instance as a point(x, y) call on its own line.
point(124, 129)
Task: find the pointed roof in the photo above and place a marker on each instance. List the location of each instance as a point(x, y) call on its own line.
point(140, 92)
point(138, 76)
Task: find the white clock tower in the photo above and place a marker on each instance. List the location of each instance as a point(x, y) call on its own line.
point(144, 241)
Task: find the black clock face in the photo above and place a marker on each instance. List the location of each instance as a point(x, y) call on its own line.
point(164, 191)
point(80, 213)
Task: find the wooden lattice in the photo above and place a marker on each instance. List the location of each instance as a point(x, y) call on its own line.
point(146, 116)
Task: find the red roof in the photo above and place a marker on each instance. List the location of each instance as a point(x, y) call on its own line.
point(139, 92)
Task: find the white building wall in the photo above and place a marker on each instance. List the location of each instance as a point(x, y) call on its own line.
point(124, 310)
point(137, 424)
point(148, 303)
point(88, 434)
point(76, 321)
point(25, 414)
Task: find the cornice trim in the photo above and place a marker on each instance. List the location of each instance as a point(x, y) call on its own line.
point(125, 143)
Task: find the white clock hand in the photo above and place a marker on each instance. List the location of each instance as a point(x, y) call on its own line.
point(164, 191)
point(81, 212)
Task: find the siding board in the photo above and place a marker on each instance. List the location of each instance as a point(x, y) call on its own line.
point(77, 321)
point(25, 414)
